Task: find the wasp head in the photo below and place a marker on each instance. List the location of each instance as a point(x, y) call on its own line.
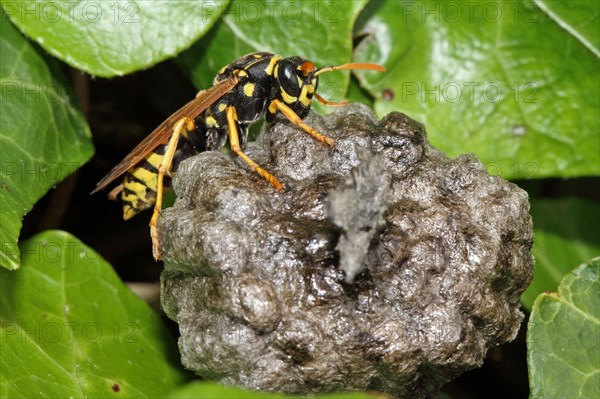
point(297, 83)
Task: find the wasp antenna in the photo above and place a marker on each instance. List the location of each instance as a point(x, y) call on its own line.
point(330, 103)
point(354, 65)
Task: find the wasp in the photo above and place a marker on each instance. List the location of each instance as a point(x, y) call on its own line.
point(242, 92)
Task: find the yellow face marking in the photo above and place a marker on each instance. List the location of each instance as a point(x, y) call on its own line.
point(287, 98)
point(303, 95)
point(257, 55)
point(273, 64)
point(149, 178)
point(211, 121)
point(222, 70)
point(249, 89)
point(154, 159)
point(222, 107)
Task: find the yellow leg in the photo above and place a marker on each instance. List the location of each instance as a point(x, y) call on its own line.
point(164, 167)
point(114, 192)
point(295, 119)
point(234, 142)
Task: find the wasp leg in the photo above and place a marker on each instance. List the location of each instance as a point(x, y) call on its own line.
point(114, 192)
point(164, 167)
point(234, 142)
point(295, 119)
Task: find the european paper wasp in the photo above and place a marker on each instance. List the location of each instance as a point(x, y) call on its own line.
point(242, 92)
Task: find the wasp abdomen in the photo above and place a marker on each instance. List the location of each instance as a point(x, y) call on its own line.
point(141, 181)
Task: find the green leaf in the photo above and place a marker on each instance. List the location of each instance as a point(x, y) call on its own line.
point(70, 328)
point(43, 135)
point(566, 232)
point(579, 18)
point(318, 31)
point(356, 94)
point(109, 38)
point(563, 338)
point(209, 390)
point(502, 79)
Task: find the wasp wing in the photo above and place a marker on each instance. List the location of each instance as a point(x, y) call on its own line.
point(163, 132)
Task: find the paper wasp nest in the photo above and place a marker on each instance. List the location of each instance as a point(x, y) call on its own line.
point(384, 265)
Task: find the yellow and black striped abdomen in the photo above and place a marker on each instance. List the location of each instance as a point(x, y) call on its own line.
point(141, 181)
point(139, 186)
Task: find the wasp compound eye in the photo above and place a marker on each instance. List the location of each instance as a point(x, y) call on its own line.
point(288, 78)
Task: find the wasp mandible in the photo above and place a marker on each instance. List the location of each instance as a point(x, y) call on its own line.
point(242, 92)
